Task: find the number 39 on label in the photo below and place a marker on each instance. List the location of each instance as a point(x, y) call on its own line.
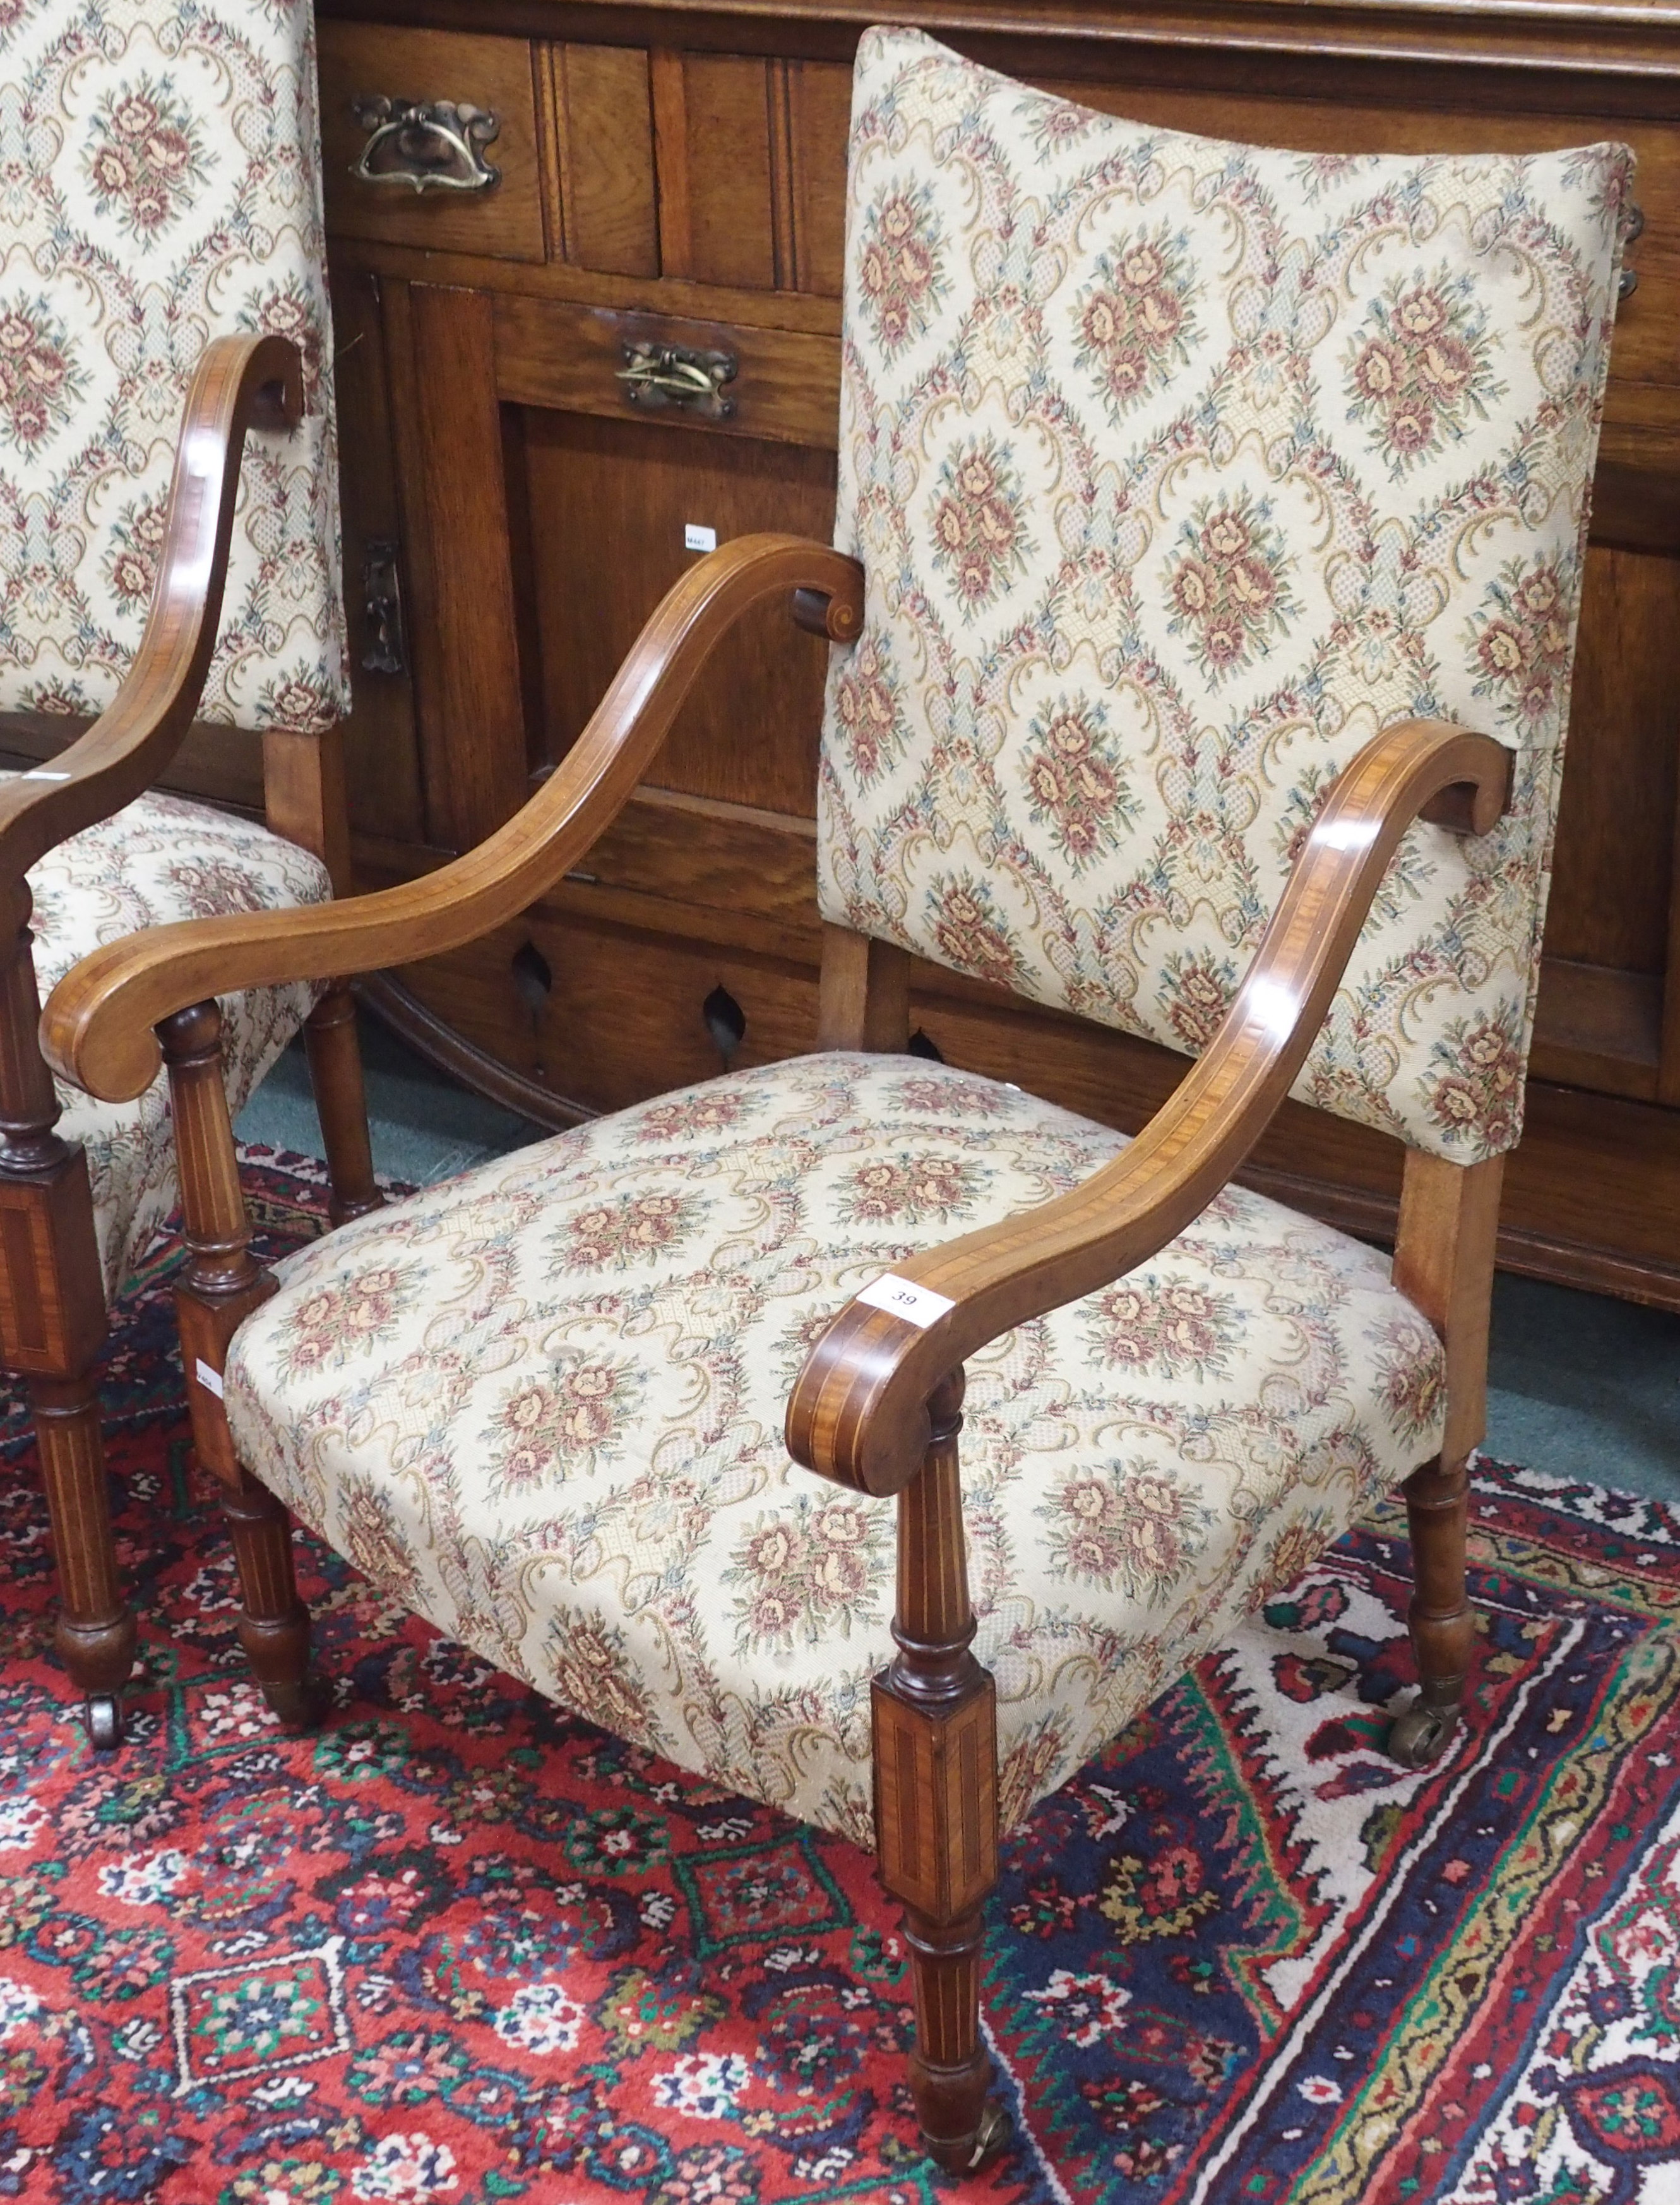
point(917, 1305)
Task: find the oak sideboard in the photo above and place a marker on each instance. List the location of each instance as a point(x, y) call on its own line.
point(610, 335)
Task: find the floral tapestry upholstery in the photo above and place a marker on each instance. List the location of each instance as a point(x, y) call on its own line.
point(158, 860)
point(160, 185)
point(1179, 469)
point(542, 1405)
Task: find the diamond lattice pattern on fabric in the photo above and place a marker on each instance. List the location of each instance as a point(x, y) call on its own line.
point(1179, 469)
point(160, 185)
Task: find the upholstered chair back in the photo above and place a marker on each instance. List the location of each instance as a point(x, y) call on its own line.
point(1179, 469)
point(160, 185)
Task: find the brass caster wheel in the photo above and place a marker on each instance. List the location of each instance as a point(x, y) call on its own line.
point(102, 1714)
point(301, 1708)
point(1421, 1735)
point(991, 2137)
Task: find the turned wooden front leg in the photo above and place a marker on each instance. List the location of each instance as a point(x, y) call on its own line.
point(52, 1325)
point(935, 1796)
point(94, 1633)
point(220, 1284)
point(1444, 1263)
point(1440, 1619)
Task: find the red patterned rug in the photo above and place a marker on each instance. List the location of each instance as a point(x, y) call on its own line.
point(460, 1947)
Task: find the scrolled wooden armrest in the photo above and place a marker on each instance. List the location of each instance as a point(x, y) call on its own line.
point(241, 383)
point(858, 1414)
point(96, 1028)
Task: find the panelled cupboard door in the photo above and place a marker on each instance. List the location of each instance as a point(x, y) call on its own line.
point(649, 504)
point(673, 188)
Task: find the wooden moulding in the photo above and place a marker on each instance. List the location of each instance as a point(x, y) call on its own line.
point(1614, 40)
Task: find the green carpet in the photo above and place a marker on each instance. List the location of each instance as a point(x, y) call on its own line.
point(1580, 1385)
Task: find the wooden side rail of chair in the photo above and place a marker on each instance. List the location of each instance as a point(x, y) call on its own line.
point(96, 1029)
point(241, 383)
point(859, 1412)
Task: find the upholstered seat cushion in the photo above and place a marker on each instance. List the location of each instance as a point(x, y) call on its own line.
point(161, 859)
point(542, 1405)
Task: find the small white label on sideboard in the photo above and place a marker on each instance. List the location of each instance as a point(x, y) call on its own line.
point(209, 1379)
point(696, 537)
point(917, 1305)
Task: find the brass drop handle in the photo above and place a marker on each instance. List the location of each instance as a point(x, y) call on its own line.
point(428, 144)
point(656, 375)
point(1633, 226)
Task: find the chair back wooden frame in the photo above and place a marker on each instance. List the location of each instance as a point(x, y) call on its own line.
point(52, 1302)
point(878, 1405)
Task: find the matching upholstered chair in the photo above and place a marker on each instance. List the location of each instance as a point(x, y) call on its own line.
point(1210, 536)
point(168, 189)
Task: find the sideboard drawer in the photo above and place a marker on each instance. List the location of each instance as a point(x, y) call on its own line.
point(363, 61)
point(778, 383)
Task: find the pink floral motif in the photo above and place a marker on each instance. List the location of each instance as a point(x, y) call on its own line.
point(545, 1427)
point(1475, 1083)
point(715, 1109)
point(67, 699)
point(899, 271)
point(1419, 369)
point(1177, 1330)
point(146, 159)
point(344, 1318)
point(132, 561)
point(872, 717)
point(1137, 1529)
point(1317, 170)
point(628, 1231)
point(1195, 996)
point(971, 932)
point(890, 1192)
point(285, 310)
point(807, 1570)
point(39, 380)
point(306, 701)
point(979, 529)
point(1290, 1555)
point(1135, 324)
point(1413, 1377)
point(213, 887)
point(950, 1098)
point(1074, 786)
point(375, 1540)
point(1228, 587)
point(1054, 124)
point(1522, 640)
point(591, 1672)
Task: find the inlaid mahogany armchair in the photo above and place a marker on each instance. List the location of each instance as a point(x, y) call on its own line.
point(164, 291)
point(1210, 532)
point(86, 856)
